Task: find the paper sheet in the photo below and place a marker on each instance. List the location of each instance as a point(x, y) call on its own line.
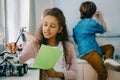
point(47, 57)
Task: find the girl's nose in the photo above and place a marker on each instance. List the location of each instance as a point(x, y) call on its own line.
point(48, 28)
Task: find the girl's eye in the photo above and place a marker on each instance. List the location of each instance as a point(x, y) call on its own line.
point(52, 26)
point(44, 24)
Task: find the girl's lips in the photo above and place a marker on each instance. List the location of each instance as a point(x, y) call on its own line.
point(46, 33)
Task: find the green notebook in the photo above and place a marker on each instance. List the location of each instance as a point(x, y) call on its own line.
point(47, 57)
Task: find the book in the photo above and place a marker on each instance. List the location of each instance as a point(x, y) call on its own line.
point(47, 57)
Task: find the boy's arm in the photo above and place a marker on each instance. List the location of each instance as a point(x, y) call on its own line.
point(100, 16)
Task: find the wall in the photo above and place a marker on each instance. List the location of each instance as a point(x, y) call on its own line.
point(110, 10)
point(40, 5)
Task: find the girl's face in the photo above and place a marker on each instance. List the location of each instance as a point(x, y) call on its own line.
point(50, 27)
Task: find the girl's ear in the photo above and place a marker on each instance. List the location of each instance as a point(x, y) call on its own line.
point(60, 30)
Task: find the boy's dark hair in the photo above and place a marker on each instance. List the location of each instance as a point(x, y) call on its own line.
point(87, 9)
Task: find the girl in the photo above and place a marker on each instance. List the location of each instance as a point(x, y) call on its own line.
point(52, 32)
point(88, 48)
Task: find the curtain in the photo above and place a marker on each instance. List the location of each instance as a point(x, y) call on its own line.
point(15, 14)
point(2, 25)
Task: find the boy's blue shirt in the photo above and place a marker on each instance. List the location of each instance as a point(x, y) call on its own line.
point(84, 36)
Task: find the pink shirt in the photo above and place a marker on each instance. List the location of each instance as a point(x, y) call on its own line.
point(31, 50)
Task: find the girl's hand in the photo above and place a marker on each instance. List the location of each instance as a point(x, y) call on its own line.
point(12, 47)
point(54, 74)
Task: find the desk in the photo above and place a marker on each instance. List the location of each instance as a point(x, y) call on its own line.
point(31, 75)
